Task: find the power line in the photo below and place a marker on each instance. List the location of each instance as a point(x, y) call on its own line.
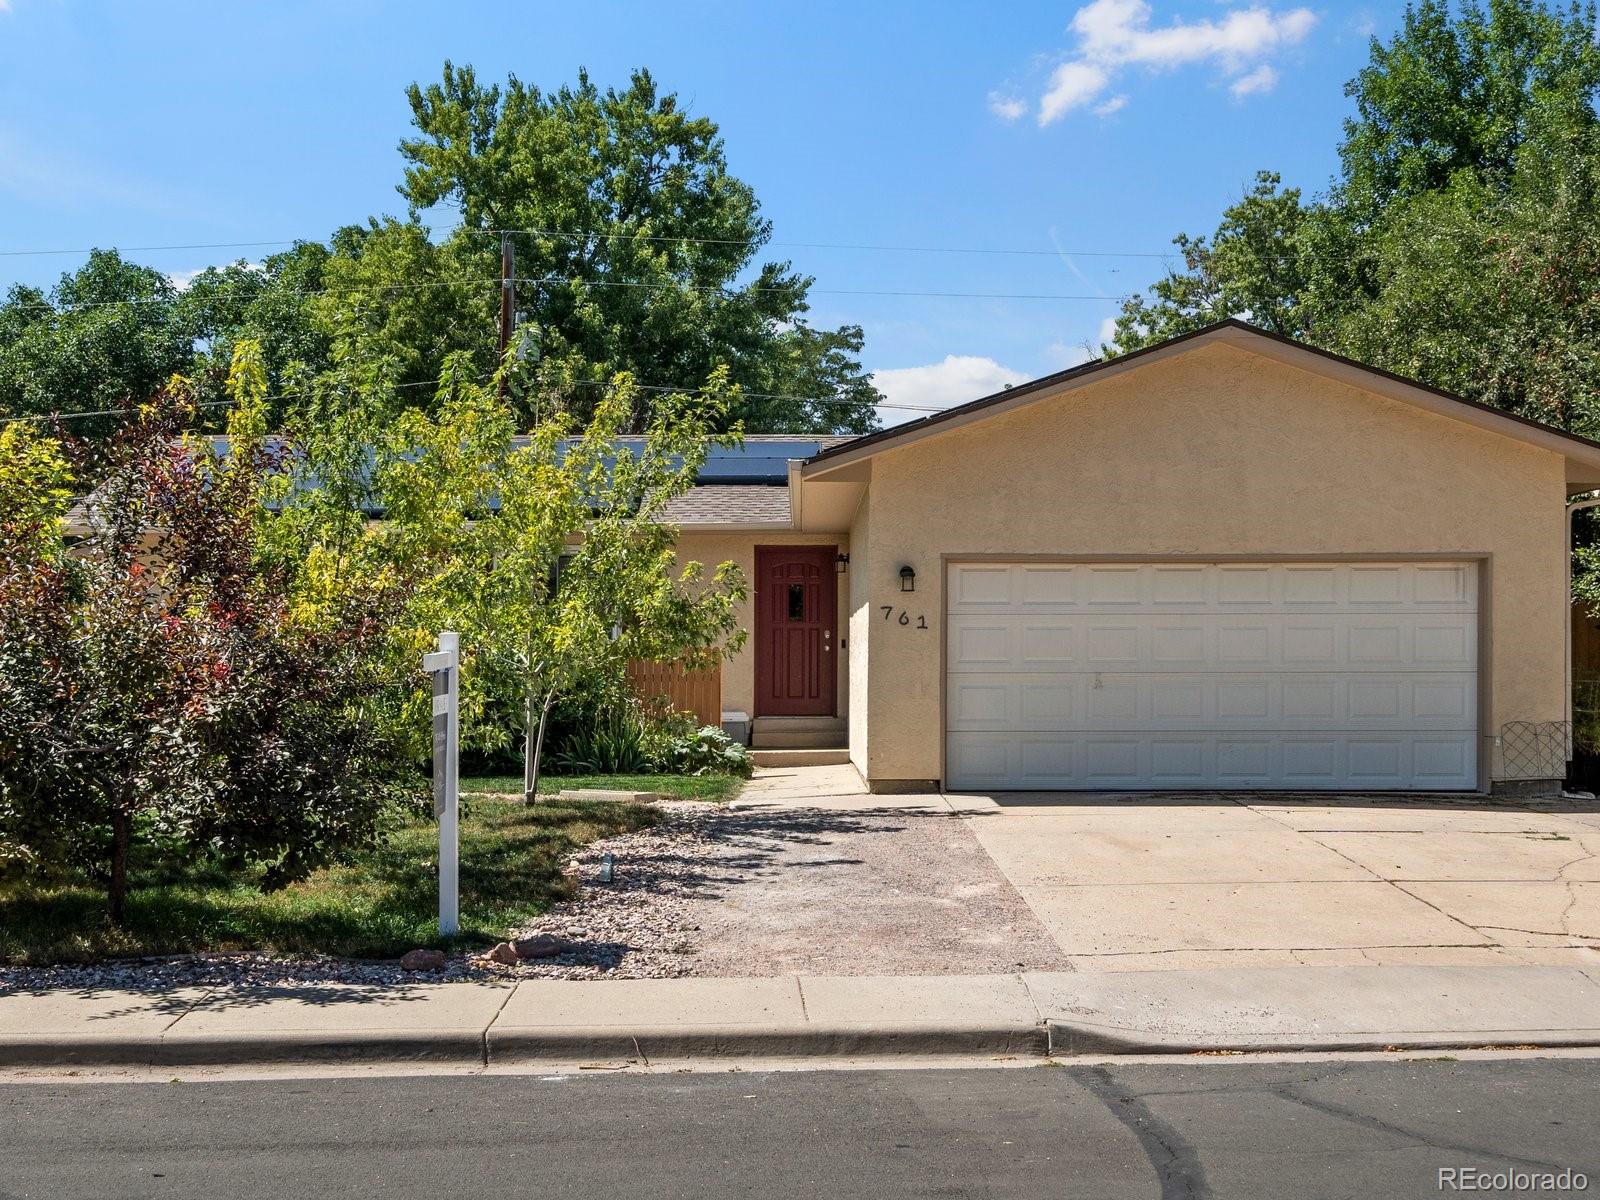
point(607, 283)
point(643, 387)
point(600, 235)
point(118, 412)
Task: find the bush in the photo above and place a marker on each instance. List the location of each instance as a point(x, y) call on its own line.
point(609, 743)
point(675, 745)
point(159, 689)
point(614, 736)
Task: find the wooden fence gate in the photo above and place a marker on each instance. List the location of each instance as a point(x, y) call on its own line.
point(697, 691)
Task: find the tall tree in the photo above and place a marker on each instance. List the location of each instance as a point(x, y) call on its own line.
point(1464, 91)
point(1458, 244)
point(636, 248)
point(106, 335)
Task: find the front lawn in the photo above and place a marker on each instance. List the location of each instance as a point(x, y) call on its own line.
point(680, 787)
point(380, 906)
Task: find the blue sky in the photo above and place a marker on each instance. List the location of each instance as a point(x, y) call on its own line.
point(1066, 128)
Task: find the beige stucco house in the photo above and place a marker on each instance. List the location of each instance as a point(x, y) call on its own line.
point(1227, 561)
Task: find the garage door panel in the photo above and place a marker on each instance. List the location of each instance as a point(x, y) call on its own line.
point(1086, 701)
point(1035, 761)
point(1306, 675)
point(1222, 587)
point(1213, 642)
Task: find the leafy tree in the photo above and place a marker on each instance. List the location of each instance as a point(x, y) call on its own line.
point(270, 304)
point(105, 336)
point(549, 551)
point(1491, 293)
point(1465, 92)
point(631, 241)
point(158, 689)
point(1457, 244)
point(1251, 267)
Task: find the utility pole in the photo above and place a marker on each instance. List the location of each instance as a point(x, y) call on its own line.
point(508, 301)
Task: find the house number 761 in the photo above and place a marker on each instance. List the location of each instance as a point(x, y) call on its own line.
point(905, 617)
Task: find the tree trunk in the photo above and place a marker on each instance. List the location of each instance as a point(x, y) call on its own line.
point(529, 782)
point(530, 771)
point(117, 891)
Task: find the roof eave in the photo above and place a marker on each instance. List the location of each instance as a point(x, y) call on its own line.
point(1582, 454)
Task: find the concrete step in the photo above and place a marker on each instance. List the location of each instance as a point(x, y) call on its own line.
point(799, 733)
point(800, 758)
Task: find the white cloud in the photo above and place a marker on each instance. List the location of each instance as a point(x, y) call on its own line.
point(1113, 35)
point(1072, 85)
point(1108, 332)
point(1007, 108)
point(959, 378)
point(1262, 79)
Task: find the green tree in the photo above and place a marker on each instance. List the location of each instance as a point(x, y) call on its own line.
point(636, 249)
point(106, 336)
point(159, 691)
point(1252, 267)
point(548, 551)
point(1464, 92)
point(269, 304)
point(1454, 247)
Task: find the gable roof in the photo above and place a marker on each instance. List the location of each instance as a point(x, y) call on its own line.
point(1582, 454)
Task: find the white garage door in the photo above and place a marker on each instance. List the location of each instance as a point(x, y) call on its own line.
point(1357, 676)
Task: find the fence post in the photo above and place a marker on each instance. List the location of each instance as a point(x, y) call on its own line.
point(445, 667)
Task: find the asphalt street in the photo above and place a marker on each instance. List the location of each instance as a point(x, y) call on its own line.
point(1222, 1129)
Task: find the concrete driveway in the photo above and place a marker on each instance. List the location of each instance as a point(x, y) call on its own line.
point(1184, 881)
point(1148, 882)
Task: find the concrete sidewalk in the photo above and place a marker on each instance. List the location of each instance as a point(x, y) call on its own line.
point(618, 1021)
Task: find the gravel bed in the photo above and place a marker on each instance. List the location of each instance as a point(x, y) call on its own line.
point(707, 891)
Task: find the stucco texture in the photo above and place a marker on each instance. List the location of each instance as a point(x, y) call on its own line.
point(1218, 451)
point(712, 548)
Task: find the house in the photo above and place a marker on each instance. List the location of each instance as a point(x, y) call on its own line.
point(1226, 561)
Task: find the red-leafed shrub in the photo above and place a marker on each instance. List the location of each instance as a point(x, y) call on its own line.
point(159, 689)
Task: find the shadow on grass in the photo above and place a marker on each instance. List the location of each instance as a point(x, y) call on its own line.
point(378, 906)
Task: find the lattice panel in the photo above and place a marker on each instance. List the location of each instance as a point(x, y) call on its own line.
point(1535, 749)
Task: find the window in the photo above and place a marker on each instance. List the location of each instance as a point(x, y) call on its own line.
point(797, 602)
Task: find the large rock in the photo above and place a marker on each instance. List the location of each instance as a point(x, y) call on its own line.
point(422, 960)
point(540, 945)
point(505, 954)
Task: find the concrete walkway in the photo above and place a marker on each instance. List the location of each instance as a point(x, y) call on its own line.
point(651, 1021)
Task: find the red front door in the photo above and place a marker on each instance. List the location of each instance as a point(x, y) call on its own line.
point(796, 639)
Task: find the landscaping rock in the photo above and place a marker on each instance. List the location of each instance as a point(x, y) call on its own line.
point(543, 945)
point(422, 960)
point(505, 954)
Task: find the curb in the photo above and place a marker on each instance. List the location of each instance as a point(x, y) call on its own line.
point(1081, 1039)
point(782, 1041)
point(270, 1048)
point(513, 1047)
point(525, 1045)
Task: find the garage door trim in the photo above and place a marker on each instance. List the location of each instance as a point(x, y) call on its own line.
point(1483, 560)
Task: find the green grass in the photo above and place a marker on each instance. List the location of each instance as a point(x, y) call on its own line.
point(683, 787)
point(380, 906)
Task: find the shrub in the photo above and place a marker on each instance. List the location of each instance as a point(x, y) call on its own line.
point(158, 685)
point(675, 745)
point(609, 743)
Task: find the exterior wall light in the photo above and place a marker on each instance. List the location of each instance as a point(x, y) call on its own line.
point(908, 579)
point(841, 564)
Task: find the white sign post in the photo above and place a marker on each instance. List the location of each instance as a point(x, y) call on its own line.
point(445, 667)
